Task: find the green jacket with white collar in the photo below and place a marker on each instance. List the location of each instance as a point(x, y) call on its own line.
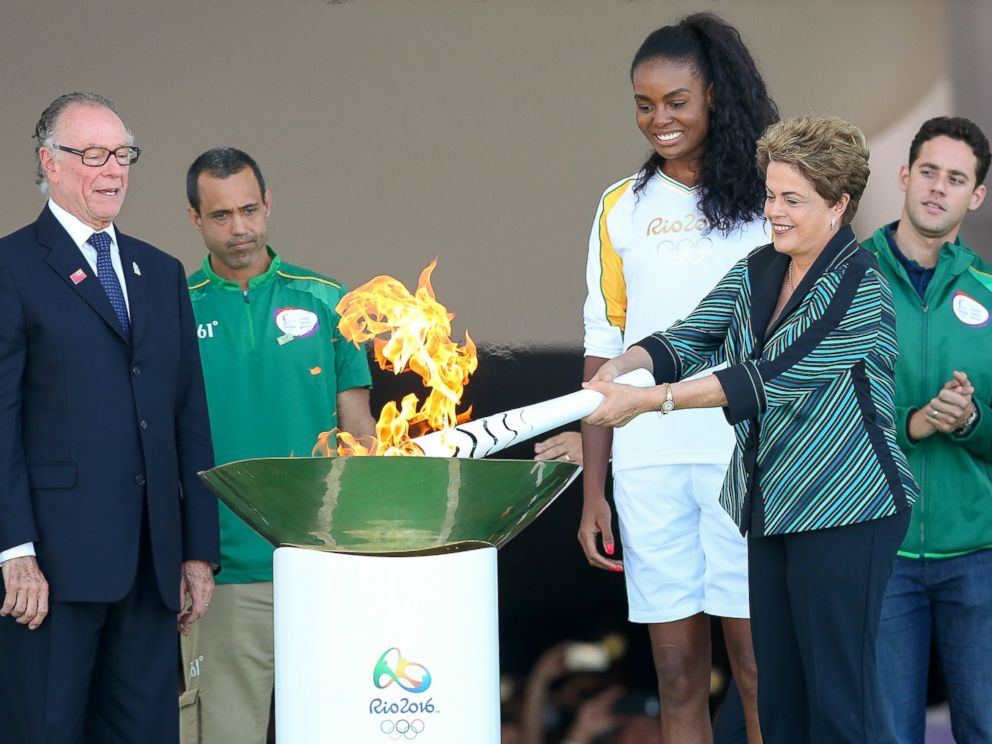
point(949, 329)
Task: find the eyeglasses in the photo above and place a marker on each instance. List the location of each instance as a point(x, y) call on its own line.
point(97, 156)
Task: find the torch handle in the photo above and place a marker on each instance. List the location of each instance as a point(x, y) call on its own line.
point(488, 435)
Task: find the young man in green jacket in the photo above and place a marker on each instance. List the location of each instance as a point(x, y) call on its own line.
point(941, 586)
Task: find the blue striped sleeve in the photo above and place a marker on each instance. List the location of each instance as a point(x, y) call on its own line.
point(744, 390)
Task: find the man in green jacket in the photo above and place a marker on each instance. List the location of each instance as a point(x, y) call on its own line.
point(278, 373)
point(941, 586)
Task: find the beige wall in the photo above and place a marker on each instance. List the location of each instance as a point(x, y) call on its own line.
point(392, 132)
point(972, 59)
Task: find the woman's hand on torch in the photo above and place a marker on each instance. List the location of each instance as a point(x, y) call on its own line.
point(634, 358)
point(621, 403)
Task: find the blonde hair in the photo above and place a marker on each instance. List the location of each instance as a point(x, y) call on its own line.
point(830, 153)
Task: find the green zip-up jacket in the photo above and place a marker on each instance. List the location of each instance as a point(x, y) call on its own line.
point(949, 329)
point(273, 362)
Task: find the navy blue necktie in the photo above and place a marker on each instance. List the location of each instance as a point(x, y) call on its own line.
point(108, 278)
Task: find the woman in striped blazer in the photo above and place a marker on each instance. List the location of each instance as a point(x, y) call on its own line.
point(817, 482)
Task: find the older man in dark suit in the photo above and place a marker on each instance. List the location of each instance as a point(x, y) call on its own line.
point(105, 531)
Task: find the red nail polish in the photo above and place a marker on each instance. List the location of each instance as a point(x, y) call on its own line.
point(609, 548)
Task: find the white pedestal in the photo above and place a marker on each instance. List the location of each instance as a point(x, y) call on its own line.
point(379, 648)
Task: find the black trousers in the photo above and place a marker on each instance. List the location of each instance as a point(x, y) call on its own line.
point(816, 599)
point(94, 672)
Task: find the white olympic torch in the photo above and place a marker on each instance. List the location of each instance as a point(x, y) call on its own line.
point(485, 436)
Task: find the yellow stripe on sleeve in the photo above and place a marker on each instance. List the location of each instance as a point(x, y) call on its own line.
point(983, 278)
point(611, 281)
point(309, 279)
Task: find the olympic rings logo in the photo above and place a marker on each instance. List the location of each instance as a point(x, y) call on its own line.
point(685, 251)
point(402, 728)
point(409, 675)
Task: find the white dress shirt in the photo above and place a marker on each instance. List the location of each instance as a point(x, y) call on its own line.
point(80, 232)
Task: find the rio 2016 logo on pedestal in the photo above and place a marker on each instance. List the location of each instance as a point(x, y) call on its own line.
point(413, 677)
point(409, 675)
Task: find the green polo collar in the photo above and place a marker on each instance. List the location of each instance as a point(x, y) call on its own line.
point(255, 281)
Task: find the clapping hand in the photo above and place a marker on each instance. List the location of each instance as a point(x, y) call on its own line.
point(947, 412)
point(951, 407)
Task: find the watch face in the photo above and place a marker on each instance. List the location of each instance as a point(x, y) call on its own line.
point(668, 406)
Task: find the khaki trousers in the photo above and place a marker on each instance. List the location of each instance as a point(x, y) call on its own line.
point(229, 668)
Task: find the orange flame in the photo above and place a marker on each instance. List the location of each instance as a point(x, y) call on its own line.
point(409, 332)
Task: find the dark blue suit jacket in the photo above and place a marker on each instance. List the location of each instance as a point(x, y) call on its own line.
point(97, 431)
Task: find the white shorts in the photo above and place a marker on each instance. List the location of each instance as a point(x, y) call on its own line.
point(682, 553)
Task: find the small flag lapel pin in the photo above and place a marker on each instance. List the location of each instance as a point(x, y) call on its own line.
point(77, 276)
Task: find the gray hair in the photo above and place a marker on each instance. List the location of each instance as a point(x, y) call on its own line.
point(46, 130)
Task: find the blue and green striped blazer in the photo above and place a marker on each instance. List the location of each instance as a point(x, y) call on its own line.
point(810, 397)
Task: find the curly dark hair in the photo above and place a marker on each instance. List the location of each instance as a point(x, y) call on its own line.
point(731, 190)
point(958, 128)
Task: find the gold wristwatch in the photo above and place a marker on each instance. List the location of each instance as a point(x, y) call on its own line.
point(667, 405)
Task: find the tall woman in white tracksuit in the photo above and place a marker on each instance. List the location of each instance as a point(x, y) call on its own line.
point(660, 240)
